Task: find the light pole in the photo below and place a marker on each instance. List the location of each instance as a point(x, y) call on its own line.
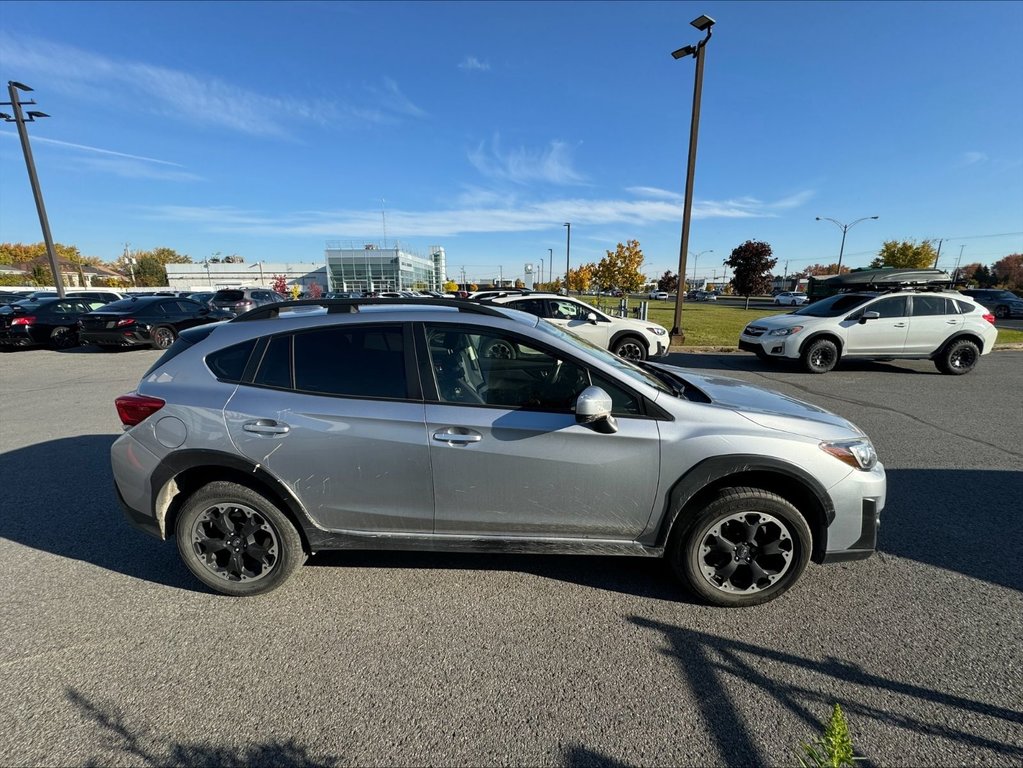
point(845, 228)
point(550, 264)
point(703, 23)
point(696, 260)
point(260, 265)
point(568, 252)
point(19, 119)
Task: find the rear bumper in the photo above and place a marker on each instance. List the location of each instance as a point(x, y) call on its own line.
point(133, 466)
point(114, 338)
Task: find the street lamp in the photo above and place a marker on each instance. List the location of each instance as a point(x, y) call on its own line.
point(703, 23)
point(19, 119)
point(696, 260)
point(568, 251)
point(845, 228)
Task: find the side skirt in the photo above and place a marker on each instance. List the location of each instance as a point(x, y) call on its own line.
point(334, 540)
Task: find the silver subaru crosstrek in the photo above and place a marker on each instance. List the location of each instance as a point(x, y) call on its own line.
point(378, 424)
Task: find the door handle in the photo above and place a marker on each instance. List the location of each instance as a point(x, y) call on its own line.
point(952, 322)
point(266, 427)
point(900, 325)
point(457, 435)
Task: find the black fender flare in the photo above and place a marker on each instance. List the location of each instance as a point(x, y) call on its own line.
point(792, 482)
point(629, 332)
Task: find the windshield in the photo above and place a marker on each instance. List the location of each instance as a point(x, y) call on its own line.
point(621, 364)
point(833, 306)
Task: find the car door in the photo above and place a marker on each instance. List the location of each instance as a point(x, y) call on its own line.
point(932, 319)
point(332, 413)
point(190, 314)
point(572, 316)
point(509, 458)
point(883, 335)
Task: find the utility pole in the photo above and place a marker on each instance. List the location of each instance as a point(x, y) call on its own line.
point(568, 254)
point(938, 254)
point(20, 120)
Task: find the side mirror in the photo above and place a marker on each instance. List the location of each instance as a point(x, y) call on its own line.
point(591, 318)
point(869, 316)
point(593, 408)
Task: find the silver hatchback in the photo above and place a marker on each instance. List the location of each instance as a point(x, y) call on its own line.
point(382, 424)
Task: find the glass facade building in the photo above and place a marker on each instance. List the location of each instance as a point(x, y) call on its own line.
point(372, 268)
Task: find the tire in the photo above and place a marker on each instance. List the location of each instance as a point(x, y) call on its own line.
point(235, 541)
point(162, 336)
point(630, 347)
point(746, 547)
point(1001, 312)
point(64, 338)
point(958, 358)
point(500, 349)
point(820, 356)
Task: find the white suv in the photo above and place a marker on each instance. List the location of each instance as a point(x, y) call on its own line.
point(631, 339)
point(951, 329)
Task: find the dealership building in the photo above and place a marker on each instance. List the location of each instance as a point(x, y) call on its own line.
point(372, 268)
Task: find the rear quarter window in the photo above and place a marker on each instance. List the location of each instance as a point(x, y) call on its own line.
point(228, 364)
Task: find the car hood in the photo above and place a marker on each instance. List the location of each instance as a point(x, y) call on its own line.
point(785, 321)
point(768, 408)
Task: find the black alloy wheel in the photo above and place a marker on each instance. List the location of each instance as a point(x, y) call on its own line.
point(630, 348)
point(746, 547)
point(958, 358)
point(64, 338)
point(235, 541)
point(820, 356)
point(161, 337)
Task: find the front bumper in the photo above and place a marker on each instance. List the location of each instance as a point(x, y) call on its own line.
point(131, 338)
point(859, 499)
point(773, 346)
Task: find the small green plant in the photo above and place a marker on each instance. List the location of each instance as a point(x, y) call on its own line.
point(832, 750)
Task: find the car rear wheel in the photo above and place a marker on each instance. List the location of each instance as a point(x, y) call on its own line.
point(958, 358)
point(161, 337)
point(820, 356)
point(1001, 312)
point(746, 547)
point(630, 348)
point(236, 541)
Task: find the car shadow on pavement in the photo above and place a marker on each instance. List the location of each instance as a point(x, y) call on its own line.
point(957, 519)
point(143, 746)
point(727, 676)
point(59, 497)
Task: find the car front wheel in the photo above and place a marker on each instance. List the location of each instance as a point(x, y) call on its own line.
point(630, 348)
point(236, 541)
point(820, 356)
point(744, 548)
point(161, 337)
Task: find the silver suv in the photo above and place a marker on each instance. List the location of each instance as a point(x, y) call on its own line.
point(951, 329)
point(632, 339)
point(379, 424)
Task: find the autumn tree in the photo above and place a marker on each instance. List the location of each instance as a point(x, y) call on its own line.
point(580, 279)
point(820, 269)
point(1009, 271)
point(668, 282)
point(907, 254)
point(279, 284)
point(450, 286)
point(519, 283)
point(751, 263)
point(315, 290)
point(621, 268)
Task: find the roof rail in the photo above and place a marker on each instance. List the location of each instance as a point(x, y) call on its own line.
point(345, 306)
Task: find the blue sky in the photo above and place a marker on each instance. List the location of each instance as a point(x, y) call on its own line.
point(268, 129)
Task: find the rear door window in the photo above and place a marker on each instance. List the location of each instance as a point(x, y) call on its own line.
point(931, 305)
point(352, 362)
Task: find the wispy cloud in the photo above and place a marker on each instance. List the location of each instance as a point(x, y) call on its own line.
point(472, 64)
point(972, 158)
point(552, 164)
point(194, 98)
point(654, 192)
point(119, 163)
point(488, 215)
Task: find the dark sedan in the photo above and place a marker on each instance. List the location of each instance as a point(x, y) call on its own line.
point(43, 322)
point(152, 321)
point(1002, 303)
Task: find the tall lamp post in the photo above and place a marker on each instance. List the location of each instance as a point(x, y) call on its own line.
point(19, 119)
point(696, 260)
point(568, 252)
point(845, 228)
point(703, 23)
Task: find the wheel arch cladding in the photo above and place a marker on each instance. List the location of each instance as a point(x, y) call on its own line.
point(703, 481)
point(961, 336)
point(183, 473)
point(818, 336)
point(630, 334)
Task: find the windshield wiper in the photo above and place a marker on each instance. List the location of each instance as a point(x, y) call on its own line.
point(662, 376)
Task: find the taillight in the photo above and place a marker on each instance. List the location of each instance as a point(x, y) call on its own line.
point(134, 408)
point(28, 320)
point(990, 318)
point(126, 321)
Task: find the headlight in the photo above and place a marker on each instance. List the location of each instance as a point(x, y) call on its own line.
point(858, 454)
point(785, 331)
point(657, 331)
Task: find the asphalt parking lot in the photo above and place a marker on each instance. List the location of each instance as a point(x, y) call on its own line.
point(113, 655)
